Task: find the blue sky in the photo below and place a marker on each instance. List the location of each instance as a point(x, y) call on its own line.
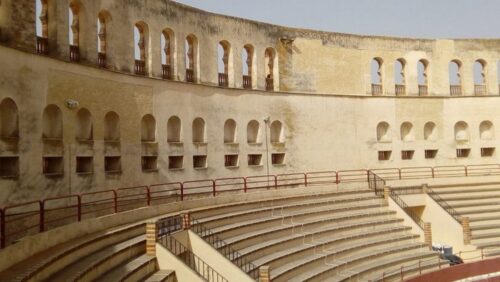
point(406, 18)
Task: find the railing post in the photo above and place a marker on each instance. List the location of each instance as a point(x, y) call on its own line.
point(151, 238)
point(432, 170)
point(79, 207)
point(337, 180)
point(245, 184)
point(2, 228)
point(466, 171)
point(466, 230)
point(148, 195)
point(42, 215)
point(305, 179)
point(420, 267)
point(264, 275)
point(275, 182)
point(115, 201)
point(428, 234)
point(399, 173)
point(482, 254)
point(401, 273)
point(182, 191)
point(383, 276)
point(213, 188)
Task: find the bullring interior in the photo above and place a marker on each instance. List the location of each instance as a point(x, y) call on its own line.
point(153, 141)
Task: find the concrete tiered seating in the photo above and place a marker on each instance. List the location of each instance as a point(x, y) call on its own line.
point(116, 255)
point(481, 204)
point(329, 236)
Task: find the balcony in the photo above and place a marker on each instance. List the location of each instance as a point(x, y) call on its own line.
point(223, 80)
point(166, 72)
point(269, 84)
point(423, 90)
point(101, 59)
point(480, 90)
point(400, 90)
point(42, 45)
point(455, 90)
point(377, 89)
point(74, 53)
point(189, 75)
point(247, 82)
point(140, 67)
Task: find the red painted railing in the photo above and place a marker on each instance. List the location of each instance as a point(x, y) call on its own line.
point(19, 220)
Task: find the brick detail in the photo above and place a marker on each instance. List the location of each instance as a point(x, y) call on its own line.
point(425, 188)
point(428, 234)
point(151, 236)
point(466, 228)
point(387, 193)
point(186, 221)
point(264, 274)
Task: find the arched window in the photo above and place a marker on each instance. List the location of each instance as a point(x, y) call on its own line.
point(74, 31)
point(253, 132)
point(270, 56)
point(383, 132)
point(199, 131)
point(461, 131)
point(84, 129)
point(174, 129)
point(102, 20)
point(480, 77)
point(9, 119)
point(422, 72)
point(486, 130)
point(223, 63)
point(148, 128)
point(52, 123)
point(430, 132)
point(167, 56)
point(42, 26)
point(191, 47)
point(399, 77)
point(111, 127)
point(277, 132)
point(407, 132)
point(455, 73)
point(140, 47)
point(230, 131)
point(377, 76)
point(247, 62)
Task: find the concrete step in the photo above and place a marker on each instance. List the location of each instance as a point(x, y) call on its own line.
point(478, 210)
point(466, 197)
point(483, 217)
point(468, 190)
point(162, 276)
point(465, 204)
point(96, 264)
point(136, 269)
point(486, 235)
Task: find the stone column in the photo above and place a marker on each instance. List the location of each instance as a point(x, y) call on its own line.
point(428, 234)
point(264, 275)
point(466, 228)
point(151, 236)
point(387, 193)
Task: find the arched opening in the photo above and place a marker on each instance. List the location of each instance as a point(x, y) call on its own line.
point(383, 132)
point(247, 62)
point(9, 119)
point(461, 131)
point(480, 77)
point(191, 47)
point(455, 73)
point(277, 132)
point(269, 55)
point(230, 131)
point(199, 131)
point(253, 132)
point(148, 128)
point(102, 20)
point(430, 132)
point(407, 132)
point(223, 58)
point(486, 130)
point(42, 26)
point(74, 31)
point(167, 56)
point(84, 127)
point(112, 127)
point(377, 78)
point(174, 130)
point(140, 47)
point(52, 128)
point(399, 77)
point(422, 76)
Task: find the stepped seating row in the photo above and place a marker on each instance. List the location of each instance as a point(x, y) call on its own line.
point(481, 204)
point(116, 255)
point(324, 237)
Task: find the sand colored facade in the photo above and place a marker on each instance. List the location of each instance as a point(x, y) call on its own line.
point(91, 113)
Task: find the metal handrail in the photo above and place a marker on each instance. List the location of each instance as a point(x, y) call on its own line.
point(451, 211)
point(405, 207)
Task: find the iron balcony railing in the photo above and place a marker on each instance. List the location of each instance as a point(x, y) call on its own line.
point(400, 89)
point(455, 90)
point(140, 67)
point(269, 84)
point(42, 45)
point(101, 59)
point(166, 72)
point(423, 90)
point(247, 82)
point(376, 183)
point(189, 75)
point(480, 90)
point(376, 89)
point(74, 53)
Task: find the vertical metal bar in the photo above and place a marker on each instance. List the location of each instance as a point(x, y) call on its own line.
point(148, 195)
point(337, 177)
point(432, 170)
point(79, 207)
point(115, 201)
point(399, 173)
point(2, 228)
point(305, 179)
point(466, 171)
point(245, 184)
point(42, 216)
point(182, 191)
point(213, 187)
point(275, 182)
